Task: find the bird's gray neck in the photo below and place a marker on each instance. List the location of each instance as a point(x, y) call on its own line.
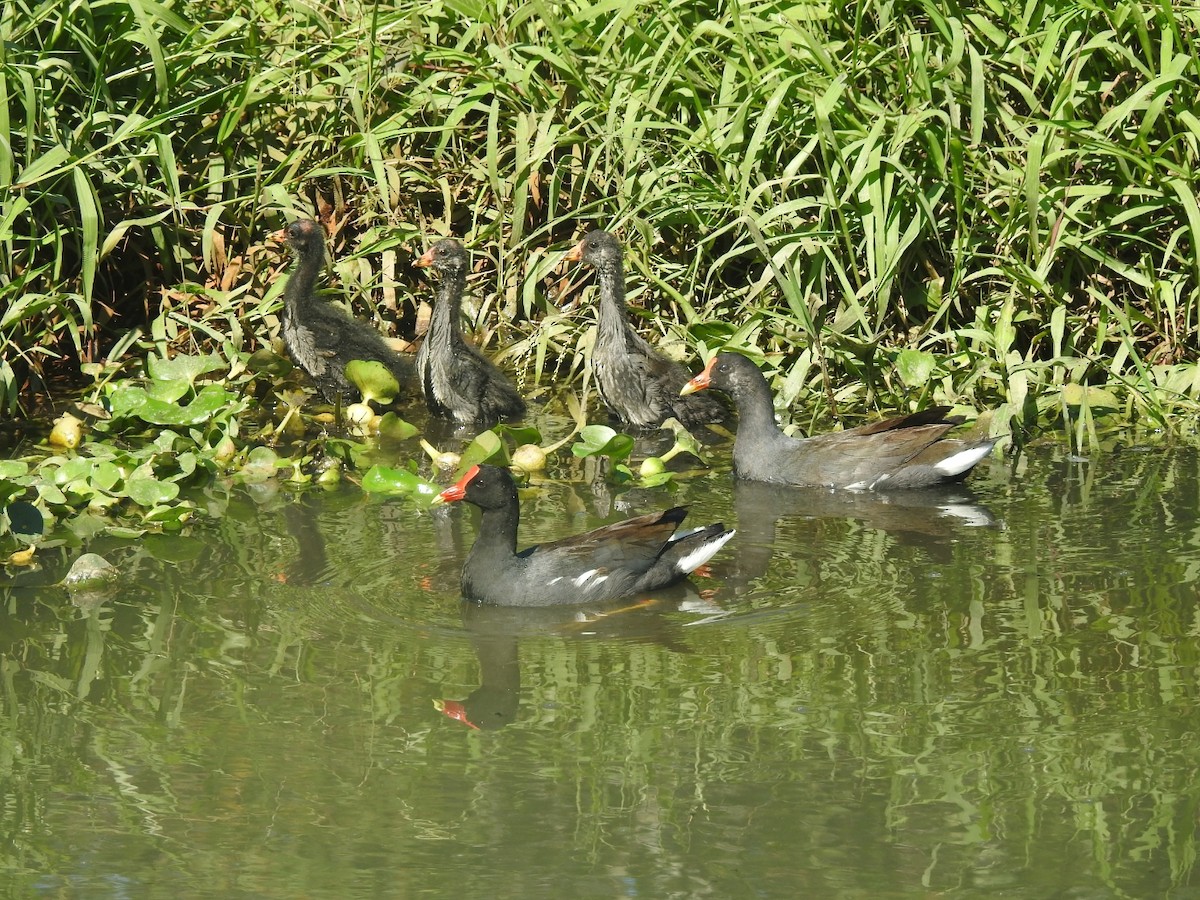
point(301, 286)
point(445, 325)
point(612, 321)
point(756, 417)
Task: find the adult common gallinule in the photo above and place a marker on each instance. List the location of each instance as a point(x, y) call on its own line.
point(459, 382)
point(618, 560)
point(320, 337)
point(905, 452)
point(637, 383)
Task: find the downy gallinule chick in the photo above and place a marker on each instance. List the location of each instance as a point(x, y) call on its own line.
point(618, 560)
point(905, 452)
point(459, 382)
point(320, 337)
point(638, 384)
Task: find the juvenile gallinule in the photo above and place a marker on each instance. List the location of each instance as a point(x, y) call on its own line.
point(638, 384)
point(459, 382)
point(618, 560)
point(320, 337)
point(905, 452)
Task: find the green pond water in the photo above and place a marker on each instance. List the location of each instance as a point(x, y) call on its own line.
point(973, 694)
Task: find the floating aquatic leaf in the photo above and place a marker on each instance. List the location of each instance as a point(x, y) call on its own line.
point(373, 379)
point(486, 448)
point(13, 468)
point(394, 428)
point(600, 440)
point(150, 491)
point(386, 480)
point(131, 400)
point(183, 368)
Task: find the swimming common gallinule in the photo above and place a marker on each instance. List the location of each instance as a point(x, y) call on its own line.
point(637, 383)
point(320, 337)
point(459, 382)
point(905, 452)
point(618, 560)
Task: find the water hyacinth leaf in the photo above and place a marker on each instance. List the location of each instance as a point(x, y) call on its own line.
point(268, 362)
point(183, 368)
point(601, 440)
point(261, 464)
point(170, 518)
point(486, 448)
point(136, 401)
point(373, 380)
point(519, 434)
point(13, 468)
point(394, 428)
point(658, 479)
point(168, 391)
point(150, 491)
point(386, 480)
point(24, 518)
point(915, 367)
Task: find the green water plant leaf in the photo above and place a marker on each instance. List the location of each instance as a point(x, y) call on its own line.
point(183, 368)
point(132, 400)
point(394, 428)
point(90, 571)
point(145, 491)
point(601, 440)
point(486, 448)
point(373, 379)
point(386, 480)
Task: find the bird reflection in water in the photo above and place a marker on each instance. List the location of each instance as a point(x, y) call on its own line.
point(495, 633)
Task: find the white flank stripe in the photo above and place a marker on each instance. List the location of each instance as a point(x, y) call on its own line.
point(703, 553)
point(963, 460)
point(585, 576)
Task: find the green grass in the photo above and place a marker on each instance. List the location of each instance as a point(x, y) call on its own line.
point(990, 204)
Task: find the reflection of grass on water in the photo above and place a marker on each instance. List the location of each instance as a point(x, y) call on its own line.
point(975, 722)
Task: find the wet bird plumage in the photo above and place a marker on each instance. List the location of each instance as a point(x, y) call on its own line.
point(459, 382)
point(320, 338)
point(639, 385)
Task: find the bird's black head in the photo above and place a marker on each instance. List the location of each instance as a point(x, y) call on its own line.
point(305, 236)
point(447, 256)
point(597, 248)
point(725, 372)
point(488, 487)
